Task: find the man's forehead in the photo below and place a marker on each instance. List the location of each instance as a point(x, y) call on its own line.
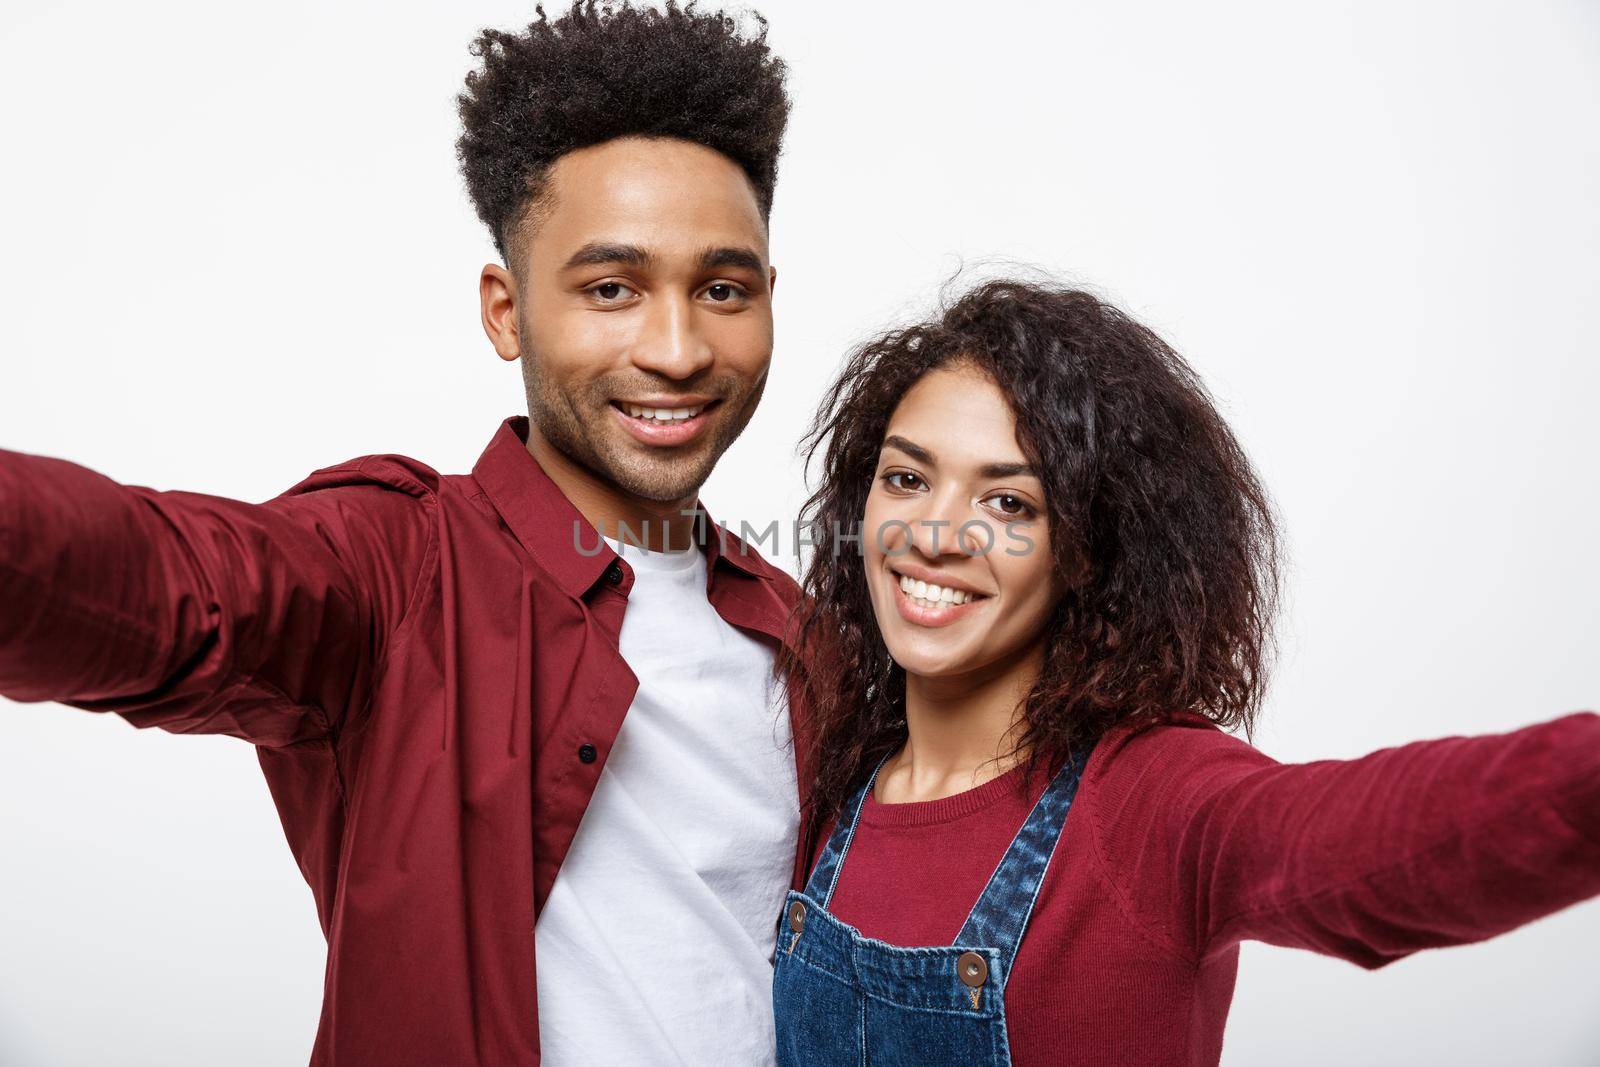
point(671, 199)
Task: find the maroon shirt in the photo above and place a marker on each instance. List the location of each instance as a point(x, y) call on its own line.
point(1183, 841)
point(428, 667)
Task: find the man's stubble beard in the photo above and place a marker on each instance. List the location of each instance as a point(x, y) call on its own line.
point(566, 422)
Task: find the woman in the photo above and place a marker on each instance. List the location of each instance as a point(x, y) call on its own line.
point(1034, 842)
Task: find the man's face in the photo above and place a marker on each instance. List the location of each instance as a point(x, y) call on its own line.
point(645, 312)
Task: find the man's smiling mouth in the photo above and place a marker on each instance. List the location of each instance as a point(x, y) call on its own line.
point(666, 421)
point(660, 414)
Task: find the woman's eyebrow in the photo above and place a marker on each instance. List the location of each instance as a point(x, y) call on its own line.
point(915, 451)
point(1006, 470)
point(988, 470)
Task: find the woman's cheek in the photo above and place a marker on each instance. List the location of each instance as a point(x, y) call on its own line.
point(881, 534)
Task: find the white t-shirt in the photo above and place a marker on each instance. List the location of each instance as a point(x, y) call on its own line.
point(656, 943)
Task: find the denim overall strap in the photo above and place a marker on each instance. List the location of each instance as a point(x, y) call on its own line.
point(819, 887)
point(1000, 917)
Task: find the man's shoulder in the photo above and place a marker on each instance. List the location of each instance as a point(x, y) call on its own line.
point(379, 492)
point(403, 473)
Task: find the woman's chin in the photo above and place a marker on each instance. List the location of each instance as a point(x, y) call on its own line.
point(915, 659)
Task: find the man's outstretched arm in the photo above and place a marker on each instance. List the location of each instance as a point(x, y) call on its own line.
point(202, 614)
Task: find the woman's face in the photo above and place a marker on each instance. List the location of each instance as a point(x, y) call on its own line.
point(955, 506)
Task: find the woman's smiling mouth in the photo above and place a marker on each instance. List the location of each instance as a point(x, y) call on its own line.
point(931, 604)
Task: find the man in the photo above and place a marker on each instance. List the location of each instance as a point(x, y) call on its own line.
point(484, 729)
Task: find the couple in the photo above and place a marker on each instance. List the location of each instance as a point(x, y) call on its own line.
point(961, 797)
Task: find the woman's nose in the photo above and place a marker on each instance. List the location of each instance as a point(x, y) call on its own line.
point(944, 525)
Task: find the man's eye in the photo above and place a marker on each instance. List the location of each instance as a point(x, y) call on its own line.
point(609, 292)
point(723, 293)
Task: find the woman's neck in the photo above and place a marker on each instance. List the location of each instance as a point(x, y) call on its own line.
point(960, 730)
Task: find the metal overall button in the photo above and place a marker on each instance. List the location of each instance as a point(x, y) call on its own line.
point(973, 970)
point(797, 922)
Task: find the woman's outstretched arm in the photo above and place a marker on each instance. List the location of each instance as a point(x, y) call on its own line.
point(1433, 843)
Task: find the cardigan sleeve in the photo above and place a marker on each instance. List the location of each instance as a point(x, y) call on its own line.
point(1428, 844)
point(201, 614)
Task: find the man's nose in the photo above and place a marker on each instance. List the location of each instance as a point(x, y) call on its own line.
point(670, 343)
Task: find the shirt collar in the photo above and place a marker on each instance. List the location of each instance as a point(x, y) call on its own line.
point(555, 532)
point(726, 548)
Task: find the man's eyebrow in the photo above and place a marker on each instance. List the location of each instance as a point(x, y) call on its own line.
point(915, 451)
point(712, 258)
point(598, 253)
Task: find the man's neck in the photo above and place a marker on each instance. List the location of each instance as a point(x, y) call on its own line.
point(650, 524)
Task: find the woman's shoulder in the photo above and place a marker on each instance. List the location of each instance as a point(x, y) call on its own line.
point(1143, 787)
point(1184, 745)
point(1144, 783)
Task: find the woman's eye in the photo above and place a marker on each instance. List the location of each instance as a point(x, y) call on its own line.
point(899, 480)
point(609, 292)
point(1011, 505)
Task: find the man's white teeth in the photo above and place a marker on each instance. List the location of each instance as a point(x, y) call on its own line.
point(931, 595)
point(663, 414)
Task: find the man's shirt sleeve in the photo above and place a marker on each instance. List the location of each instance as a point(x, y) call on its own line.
point(201, 614)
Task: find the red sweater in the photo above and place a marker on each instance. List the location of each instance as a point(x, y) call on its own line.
point(1184, 841)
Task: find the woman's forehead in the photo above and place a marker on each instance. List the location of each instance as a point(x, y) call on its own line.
point(958, 417)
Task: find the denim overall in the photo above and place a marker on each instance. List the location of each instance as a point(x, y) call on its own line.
point(841, 998)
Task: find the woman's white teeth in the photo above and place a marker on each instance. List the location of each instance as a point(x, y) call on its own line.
point(933, 595)
point(662, 414)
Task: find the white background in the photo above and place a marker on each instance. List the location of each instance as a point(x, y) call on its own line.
point(236, 249)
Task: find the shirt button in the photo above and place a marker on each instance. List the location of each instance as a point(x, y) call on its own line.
point(588, 753)
point(614, 573)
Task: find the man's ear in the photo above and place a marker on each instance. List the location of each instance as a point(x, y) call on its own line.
point(497, 299)
point(772, 278)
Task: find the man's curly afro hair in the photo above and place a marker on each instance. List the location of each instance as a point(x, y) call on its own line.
point(601, 72)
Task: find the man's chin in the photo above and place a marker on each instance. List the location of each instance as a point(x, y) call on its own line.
point(658, 481)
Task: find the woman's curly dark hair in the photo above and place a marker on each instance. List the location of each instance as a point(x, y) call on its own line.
point(1143, 481)
point(606, 71)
